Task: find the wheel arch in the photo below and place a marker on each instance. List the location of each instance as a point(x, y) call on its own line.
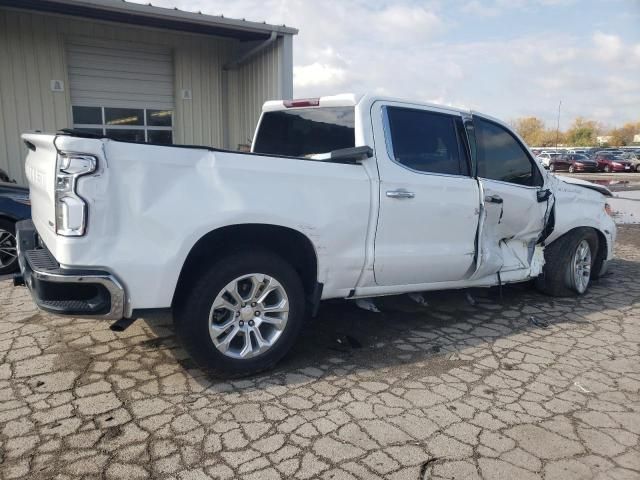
point(290, 244)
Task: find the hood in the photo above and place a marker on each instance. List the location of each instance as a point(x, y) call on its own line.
point(583, 183)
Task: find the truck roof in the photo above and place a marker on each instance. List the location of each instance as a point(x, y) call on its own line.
point(348, 100)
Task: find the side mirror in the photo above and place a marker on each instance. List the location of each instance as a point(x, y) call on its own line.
point(351, 155)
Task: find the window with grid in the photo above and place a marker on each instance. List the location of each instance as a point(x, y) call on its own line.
point(128, 124)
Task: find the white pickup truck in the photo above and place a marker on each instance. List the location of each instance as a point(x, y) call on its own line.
point(346, 196)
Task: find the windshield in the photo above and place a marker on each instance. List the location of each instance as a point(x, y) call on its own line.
point(305, 132)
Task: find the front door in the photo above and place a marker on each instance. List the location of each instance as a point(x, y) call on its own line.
point(429, 203)
point(513, 218)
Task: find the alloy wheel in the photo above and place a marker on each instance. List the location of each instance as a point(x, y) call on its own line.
point(248, 316)
point(8, 248)
point(581, 266)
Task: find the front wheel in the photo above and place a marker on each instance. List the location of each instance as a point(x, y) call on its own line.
point(243, 314)
point(569, 262)
point(552, 167)
point(638, 168)
point(572, 169)
point(607, 169)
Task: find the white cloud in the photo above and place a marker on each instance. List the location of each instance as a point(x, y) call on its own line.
point(608, 47)
point(318, 74)
point(475, 7)
point(431, 50)
point(399, 23)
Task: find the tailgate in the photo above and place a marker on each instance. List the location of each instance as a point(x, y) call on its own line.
point(40, 168)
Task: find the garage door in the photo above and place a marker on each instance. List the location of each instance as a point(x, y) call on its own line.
point(121, 90)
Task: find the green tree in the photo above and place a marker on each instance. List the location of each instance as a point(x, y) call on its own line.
point(582, 132)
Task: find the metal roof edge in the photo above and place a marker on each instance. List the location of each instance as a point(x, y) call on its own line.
point(161, 13)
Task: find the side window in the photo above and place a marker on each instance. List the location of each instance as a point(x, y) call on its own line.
point(502, 157)
point(425, 141)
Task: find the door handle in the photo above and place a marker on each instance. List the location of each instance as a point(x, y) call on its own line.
point(400, 194)
point(493, 199)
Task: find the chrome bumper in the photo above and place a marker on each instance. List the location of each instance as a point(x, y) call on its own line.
point(64, 291)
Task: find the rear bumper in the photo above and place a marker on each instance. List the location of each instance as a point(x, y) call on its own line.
point(64, 291)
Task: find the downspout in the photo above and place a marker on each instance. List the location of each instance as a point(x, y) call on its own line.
point(234, 65)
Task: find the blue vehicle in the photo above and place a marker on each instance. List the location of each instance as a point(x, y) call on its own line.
point(14, 206)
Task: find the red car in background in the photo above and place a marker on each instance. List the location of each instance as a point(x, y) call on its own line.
point(608, 162)
point(574, 162)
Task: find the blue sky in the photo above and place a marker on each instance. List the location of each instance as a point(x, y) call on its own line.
point(507, 58)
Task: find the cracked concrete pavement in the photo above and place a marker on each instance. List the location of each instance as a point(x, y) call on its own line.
point(450, 390)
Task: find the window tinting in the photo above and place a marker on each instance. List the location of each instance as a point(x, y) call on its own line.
point(500, 155)
point(126, 124)
point(163, 137)
point(123, 116)
point(159, 118)
point(128, 135)
point(87, 115)
point(306, 132)
point(425, 141)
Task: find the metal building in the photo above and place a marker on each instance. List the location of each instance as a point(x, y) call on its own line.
point(135, 72)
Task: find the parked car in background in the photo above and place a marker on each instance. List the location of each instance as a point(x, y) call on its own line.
point(324, 206)
point(633, 158)
point(545, 158)
point(573, 162)
point(609, 162)
point(14, 206)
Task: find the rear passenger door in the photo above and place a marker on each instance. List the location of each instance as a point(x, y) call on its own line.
point(510, 179)
point(428, 212)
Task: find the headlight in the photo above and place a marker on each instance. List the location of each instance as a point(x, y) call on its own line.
point(71, 209)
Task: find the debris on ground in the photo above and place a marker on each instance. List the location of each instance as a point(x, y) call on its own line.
point(538, 322)
point(367, 304)
point(418, 298)
point(470, 300)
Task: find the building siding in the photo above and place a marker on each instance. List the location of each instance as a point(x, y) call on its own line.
point(32, 53)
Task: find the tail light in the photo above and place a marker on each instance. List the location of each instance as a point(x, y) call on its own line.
point(71, 209)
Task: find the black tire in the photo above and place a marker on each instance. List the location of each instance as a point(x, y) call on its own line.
point(555, 279)
point(607, 169)
point(572, 169)
point(638, 168)
point(192, 313)
point(552, 167)
point(8, 264)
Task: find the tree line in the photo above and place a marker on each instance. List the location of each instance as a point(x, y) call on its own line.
point(581, 133)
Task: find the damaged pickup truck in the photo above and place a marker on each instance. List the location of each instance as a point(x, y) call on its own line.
point(345, 196)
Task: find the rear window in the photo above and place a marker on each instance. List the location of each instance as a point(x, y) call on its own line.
point(305, 132)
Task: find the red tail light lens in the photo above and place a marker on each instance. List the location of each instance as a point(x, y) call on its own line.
point(302, 102)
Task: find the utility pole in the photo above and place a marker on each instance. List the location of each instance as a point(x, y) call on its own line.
point(558, 126)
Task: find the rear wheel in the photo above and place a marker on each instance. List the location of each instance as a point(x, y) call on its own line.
point(607, 168)
point(8, 247)
point(638, 168)
point(569, 263)
point(572, 169)
point(552, 167)
point(243, 314)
